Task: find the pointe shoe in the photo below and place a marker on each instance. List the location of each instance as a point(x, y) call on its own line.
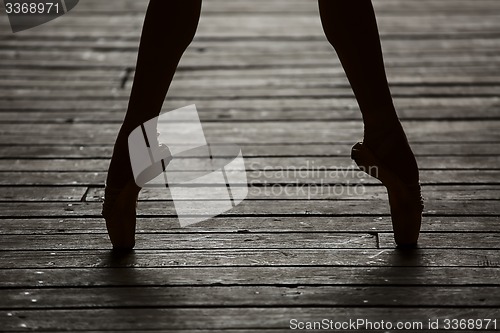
point(120, 204)
point(119, 211)
point(405, 200)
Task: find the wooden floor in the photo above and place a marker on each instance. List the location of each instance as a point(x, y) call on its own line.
point(258, 71)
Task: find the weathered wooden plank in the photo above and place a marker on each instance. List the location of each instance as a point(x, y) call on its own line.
point(449, 240)
point(397, 48)
point(403, 46)
point(248, 132)
point(298, 76)
point(299, 167)
point(97, 179)
point(241, 296)
point(33, 94)
point(203, 66)
point(235, 224)
point(249, 150)
point(263, 25)
point(45, 193)
point(221, 317)
point(194, 241)
point(288, 240)
point(480, 75)
point(273, 56)
point(253, 208)
point(431, 193)
point(475, 72)
point(112, 60)
point(42, 193)
point(404, 104)
point(60, 84)
point(280, 7)
point(74, 268)
point(26, 75)
point(53, 178)
point(306, 275)
point(98, 117)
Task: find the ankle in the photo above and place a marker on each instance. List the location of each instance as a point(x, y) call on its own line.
point(120, 171)
point(378, 136)
point(391, 148)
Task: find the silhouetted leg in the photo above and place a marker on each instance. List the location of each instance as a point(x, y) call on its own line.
point(169, 28)
point(351, 28)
